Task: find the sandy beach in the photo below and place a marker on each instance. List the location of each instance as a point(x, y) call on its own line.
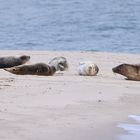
point(67, 106)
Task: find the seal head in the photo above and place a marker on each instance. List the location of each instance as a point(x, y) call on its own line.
point(60, 63)
point(132, 72)
point(24, 58)
point(11, 61)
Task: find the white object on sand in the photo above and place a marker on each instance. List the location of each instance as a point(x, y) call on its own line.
point(87, 68)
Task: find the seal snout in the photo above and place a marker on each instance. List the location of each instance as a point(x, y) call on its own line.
point(114, 69)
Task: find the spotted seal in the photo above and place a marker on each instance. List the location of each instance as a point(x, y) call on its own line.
point(60, 63)
point(132, 72)
point(87, 68)
point(34, 69)
point(11, 61)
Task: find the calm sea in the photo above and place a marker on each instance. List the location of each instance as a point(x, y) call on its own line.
point(88, 25)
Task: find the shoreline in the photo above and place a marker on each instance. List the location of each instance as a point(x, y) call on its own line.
point(66, 104)
point(77, 51)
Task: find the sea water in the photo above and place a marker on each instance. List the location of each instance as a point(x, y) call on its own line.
point(85, 25)
point(132, 129)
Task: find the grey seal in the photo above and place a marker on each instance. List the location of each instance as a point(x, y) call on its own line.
point(131, 71)
point(34, 69)
point(60, 63)
point(11, 61)
point(88, 68)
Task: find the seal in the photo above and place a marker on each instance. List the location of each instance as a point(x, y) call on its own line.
point(132, 72)
point(87, 68)
point(60, 63)
point(34, 69)
point(11, 61)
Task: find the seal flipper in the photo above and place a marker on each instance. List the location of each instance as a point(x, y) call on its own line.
point(127, 78)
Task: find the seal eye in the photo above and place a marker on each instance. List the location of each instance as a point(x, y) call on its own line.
point(119, 69)
point(14, 69)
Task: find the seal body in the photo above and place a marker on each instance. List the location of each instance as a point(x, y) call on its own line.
point(60, 63)
point(11, 61)
point(34, 69)
point(87, 69)
point(132, 72)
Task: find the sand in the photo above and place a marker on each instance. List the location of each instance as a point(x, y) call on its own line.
point(67, 106)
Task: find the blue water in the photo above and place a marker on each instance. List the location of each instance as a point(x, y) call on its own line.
point(132, 129)
point(88, 25)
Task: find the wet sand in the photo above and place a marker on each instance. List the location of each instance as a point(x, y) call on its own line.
point(131, 128)
point(67, 106)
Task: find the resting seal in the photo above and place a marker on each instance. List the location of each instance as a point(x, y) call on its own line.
point(132, 72)
point(34, 69)
point(60, 63)
point(87, 69)
point(11, 61)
